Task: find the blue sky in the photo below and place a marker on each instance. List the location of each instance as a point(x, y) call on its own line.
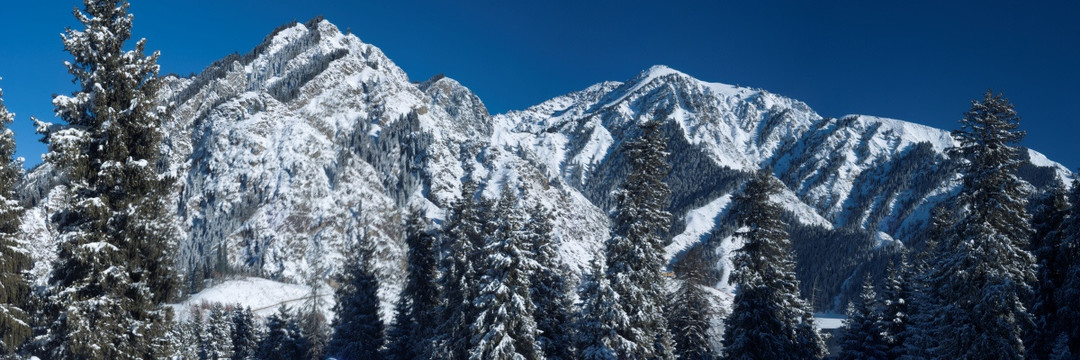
point(921, 61)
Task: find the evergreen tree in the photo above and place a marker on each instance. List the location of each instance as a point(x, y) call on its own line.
point(504, 328)
point(14, 286)
point(691, 311)
point(462, 236)
point(358, 330)
point(862, 337)
point(217, 344)
point(768, 319)
point(635, 252)
point(1048, 220)
point(919, 337)
point(895, 295)
point(550, 290)
point(114, 270)
point(283, 340)
point(245, 334)
point(313, 325)
point(1065, 297)
point(596, 337)
point(414, 316)
point(983, 275)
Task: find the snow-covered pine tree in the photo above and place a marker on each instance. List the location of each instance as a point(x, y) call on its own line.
point(245, 334)
point(14, 287)
point(550, 290)
point(283, 340)
point(458, 244)
point(634, 254)
point(504, 328)
point(187, 336)
point(595, 335)
point(1047, 221)
point(312, 322)
point(919, 337)
point(358, 330)
point(414, 315)
point(984, 274)
point(1068, 307)
point(895, 295)
point(114, 269)
point(217, 344)
point(768, 319)
point(862, 337)
point(691, 312)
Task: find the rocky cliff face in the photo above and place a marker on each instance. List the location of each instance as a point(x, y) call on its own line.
point(284, 154)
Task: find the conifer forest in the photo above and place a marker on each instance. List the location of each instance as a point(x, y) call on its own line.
point(307, 200)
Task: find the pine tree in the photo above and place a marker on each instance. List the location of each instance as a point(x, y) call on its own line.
point(114, 267)
point(635, 252)
point(550, 290)
point(245, 334)
point(1065, 297)
point(768, 319)
point(895, 295)
point(358, 330)
point(919, 337)
point(1048, 221)
point(414, 315)
point(283, 340)
point(984, 274)
point(313, 324)
point(596, 337)
point(14, 286)
point(504, 328)
point(862, 337)
point(459, 242)
point(217, 344)
point(691, 311)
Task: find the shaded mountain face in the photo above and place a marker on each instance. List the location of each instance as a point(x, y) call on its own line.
point(315, 139)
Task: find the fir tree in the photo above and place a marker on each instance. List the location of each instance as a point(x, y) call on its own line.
point(635, 252)
point(15, 292)
point(217, 344)
point(862, 337)
point(463, 235)
point(550, 290)
point(596, 337)
point(414, 315)
point(313, 325)
point(283, 340)
point(358, 330)
point(983, 275)
point(245, 334)
point(919, 338)
point(504, 328)
point(768, 319)
point(691, 311)
point(1065, 296)
point(1048, 220)
point(114, 267)
point(895, 295)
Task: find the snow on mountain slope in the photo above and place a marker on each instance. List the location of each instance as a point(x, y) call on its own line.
point(262, 296)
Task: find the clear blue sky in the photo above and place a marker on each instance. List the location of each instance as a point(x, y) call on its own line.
point(921, 61)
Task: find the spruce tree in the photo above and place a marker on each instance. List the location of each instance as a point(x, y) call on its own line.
point(358, 330)
point(217, 344)
point(283, 340)
point(1065, 296)
point(862, 337)
point(14, 286)
point(550, 290)
point(312, 323)
point(504, 328)
point(983, 275)
point(114, 269)
point(245, 334)
point(596, 338)
point(691, 311)
point(919, 337)
point(895, 295)
point(768, 319)
point(414, 315)
point(462, 236)
point(1048, 219)
point(634, 254)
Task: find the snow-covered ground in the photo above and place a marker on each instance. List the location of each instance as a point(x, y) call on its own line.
point(261, 295)
point(829, 321)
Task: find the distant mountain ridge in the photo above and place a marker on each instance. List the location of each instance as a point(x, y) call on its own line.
point(286, 153)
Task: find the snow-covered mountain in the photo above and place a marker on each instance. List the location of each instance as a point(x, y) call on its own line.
point(284, 154)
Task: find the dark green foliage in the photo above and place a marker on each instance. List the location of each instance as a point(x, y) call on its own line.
point(358, 330)
point(691, 313)
point(862, 337)
point(415, 316)
point(596, 338)
point(1068, 307)
point(283, 340)
point(114, 266)
point(14, 287)
point(245, 334)
point(895, 296)
point(459, 243)
point(1048, 219)
point(768, 320)
point(217, 341)
point(635, 251)
point(550, 290)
